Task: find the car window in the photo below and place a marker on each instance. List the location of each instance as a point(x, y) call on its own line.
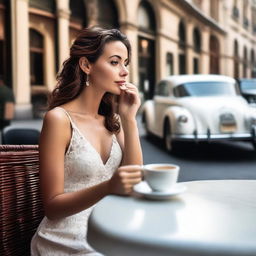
point(162, 89)
point(248, 85)
point(200, 89)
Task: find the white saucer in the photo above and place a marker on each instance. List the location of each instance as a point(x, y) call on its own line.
point(143, 189)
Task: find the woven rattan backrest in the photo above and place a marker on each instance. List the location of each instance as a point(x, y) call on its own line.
point(21, 208)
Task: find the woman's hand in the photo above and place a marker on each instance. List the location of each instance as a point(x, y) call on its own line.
point(124, 179)
point(129, 101)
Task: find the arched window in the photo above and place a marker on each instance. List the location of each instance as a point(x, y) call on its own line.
point(253, 64)
point(245, 62)
point(197, 40)
point(108, 15)
point(236, 59)
point(78, 14)
point(214, 55)
point(36, 57)
point(146, 49)
point(146, 18)
point(78, 18)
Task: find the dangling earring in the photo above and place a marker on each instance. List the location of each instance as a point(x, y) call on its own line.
point(87, 80)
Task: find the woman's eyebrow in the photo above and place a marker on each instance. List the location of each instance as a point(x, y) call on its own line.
point(119, 57)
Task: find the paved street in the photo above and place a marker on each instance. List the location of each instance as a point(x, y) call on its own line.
point(230, 160)
point(222, 160)
point(207, 161)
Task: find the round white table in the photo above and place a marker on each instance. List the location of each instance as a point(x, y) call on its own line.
point(210, 218)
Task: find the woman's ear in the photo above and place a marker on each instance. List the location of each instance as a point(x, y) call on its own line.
point(85, 65)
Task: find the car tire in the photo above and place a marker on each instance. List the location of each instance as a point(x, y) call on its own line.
point(254, 145)
point(169, 145)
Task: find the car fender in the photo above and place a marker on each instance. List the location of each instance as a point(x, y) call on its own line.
point(172, 114)
point(148, 113)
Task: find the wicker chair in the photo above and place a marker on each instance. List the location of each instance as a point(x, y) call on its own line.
point(21, 208)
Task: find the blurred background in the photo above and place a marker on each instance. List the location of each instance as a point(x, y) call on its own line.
point(167, 36)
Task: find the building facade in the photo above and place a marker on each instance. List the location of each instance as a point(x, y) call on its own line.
point(167, 36)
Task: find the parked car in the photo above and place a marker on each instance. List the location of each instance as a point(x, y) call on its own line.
point(248, 89)
point(199, 108)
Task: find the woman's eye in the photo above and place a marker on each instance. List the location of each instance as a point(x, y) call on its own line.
point(113, 62)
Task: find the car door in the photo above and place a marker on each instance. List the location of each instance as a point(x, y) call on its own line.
point(162, 101)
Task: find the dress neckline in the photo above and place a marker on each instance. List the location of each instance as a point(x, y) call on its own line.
point(89, 143)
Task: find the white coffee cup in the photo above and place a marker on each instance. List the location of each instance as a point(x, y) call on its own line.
point(161, 177)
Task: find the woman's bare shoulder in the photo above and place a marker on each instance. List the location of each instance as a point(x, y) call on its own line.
point(56, 116)
point(56, 127)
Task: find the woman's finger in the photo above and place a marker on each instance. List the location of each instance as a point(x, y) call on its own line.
point(132, 181)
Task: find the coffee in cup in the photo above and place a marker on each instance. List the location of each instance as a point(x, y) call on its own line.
point(161, 177)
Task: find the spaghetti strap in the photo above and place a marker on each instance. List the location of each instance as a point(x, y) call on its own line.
point(68, 115)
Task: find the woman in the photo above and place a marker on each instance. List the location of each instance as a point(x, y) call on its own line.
point(87, 151)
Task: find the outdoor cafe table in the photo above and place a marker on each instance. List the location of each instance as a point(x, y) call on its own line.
point(211, 218)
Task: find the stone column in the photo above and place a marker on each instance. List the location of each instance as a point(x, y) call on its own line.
point(20, 58)
point(63, 14)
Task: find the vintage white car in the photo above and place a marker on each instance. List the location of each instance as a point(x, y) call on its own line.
point(199, 108)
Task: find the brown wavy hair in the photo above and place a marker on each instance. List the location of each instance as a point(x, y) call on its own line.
point(70, 81)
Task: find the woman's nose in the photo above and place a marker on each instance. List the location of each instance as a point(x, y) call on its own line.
point(124, 71)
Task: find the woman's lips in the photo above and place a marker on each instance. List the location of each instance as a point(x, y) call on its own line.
point(121, 82)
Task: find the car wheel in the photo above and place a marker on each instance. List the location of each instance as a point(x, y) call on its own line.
point(168, 143)
point(254, 145)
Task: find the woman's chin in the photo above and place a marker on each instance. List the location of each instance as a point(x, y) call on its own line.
point(116, 92)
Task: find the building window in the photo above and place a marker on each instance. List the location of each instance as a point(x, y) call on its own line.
point(253, 20)
point(214, 9)
point(245, 14)
point(36, 58)
point(182, 35)
point(145, 20)
point(236, 59)
point(78, 14)
point(169, 64)
point(108, 15)
point(253, 64)
point(195, 65)
point(245, 63)
point(235, 11)
point(197, 40)
point(182, 48)
point(146, 49)
point(214, 55)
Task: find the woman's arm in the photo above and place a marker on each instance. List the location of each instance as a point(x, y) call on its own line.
point(129, 136)
point(54, 140)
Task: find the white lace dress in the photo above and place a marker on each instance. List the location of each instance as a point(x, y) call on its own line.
point(83, 168)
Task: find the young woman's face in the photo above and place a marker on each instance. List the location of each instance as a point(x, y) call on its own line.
point(110, 71)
